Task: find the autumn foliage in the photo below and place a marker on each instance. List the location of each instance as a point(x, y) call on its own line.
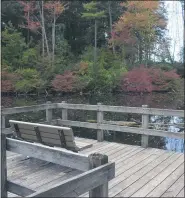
point(65, 82)
point(8, 81)
point(140, 20)
point(148, 79)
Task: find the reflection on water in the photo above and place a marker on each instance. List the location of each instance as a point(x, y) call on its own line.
point(171, 124)
point(155, 100)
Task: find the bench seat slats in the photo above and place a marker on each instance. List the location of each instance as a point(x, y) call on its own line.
point(48, 134)
point(43, 129)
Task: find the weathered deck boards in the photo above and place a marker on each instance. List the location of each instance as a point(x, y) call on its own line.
point(140, 172)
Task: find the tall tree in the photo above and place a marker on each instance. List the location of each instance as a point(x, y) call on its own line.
point(35, 22)
point(139, 27)
point(93, 13)
point(54, 8)
point(110, 20)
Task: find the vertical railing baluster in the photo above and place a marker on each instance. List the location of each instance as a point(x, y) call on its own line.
point(145, 124)
point(3, 121)
point(100, 134)
point(64, 112)
point(96, 160)
point(3, 166)
point(49, 112)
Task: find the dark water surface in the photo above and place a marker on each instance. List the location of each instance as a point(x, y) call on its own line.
point(154, 100)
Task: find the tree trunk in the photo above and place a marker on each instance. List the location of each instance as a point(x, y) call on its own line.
point(110, 20)
point(41, 10)
point(140, 52)
point(146, 55)
point(95, 46)
point(42, 17)
point(53, 38)
point(46, 40)
point(28, 39)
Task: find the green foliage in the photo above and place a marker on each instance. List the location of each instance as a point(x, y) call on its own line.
point(13, 46)
point(15, 52)
point(92, 11)
point(64, 58)
point(95, 68)
point(29, 57)
point(110, 69)
point(29, 80)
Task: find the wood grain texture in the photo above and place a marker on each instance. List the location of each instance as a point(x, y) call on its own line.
point(147, 171)
point(18, 189)
point(126, 129)
point(45, 134)
point(145, 124)
point(58, 156)
point(3, 166)
point(80, 183)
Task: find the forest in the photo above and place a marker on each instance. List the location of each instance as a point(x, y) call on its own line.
point(87, 47)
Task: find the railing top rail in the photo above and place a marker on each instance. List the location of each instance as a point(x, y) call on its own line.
point(106, 108)
point(24, 109)
point(124, 109)
point(110, 127)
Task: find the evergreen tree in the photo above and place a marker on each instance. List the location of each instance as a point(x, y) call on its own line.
point(93, 13)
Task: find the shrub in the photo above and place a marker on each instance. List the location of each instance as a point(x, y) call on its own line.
point(29, 80)
point(149, 79)
point(64, 82)
point(8, 81)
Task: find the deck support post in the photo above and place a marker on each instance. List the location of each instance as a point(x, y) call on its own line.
point(145, 124)
point(3, 121)
point(49, 113)
point(3, 166)
point(96, 160)
point(100, 134)
point(64, 112)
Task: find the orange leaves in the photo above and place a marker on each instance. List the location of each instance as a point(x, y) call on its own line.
point(134, 6)
point(54, 7)
point(140, 20)
point(83, 68)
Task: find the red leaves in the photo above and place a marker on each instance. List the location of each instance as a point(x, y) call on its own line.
point(8, 81)
point(29, 14)
point(137, 80)
point(54, 7)
point(7, 86)
point(147, 79)
point(65, 82)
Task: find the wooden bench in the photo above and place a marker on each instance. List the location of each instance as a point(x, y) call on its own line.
point(97, 171)
point(46, 134)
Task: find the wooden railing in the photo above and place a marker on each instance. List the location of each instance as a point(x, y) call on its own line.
point(97, 171)
point(101, 124)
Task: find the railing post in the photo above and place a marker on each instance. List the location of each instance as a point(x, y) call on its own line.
point(3, 121)
point(64, 112)
point(100, 135)
point(3, 166)
point(49, 113)
point(145, 123)
point(96, 160)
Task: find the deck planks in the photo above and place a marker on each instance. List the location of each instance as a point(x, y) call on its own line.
point(181, 193)
point(175, 189)
point(140, 172)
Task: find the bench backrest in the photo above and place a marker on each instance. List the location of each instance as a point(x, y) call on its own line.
point(45, 134)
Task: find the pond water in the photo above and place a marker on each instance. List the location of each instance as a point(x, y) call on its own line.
point(154, 100)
